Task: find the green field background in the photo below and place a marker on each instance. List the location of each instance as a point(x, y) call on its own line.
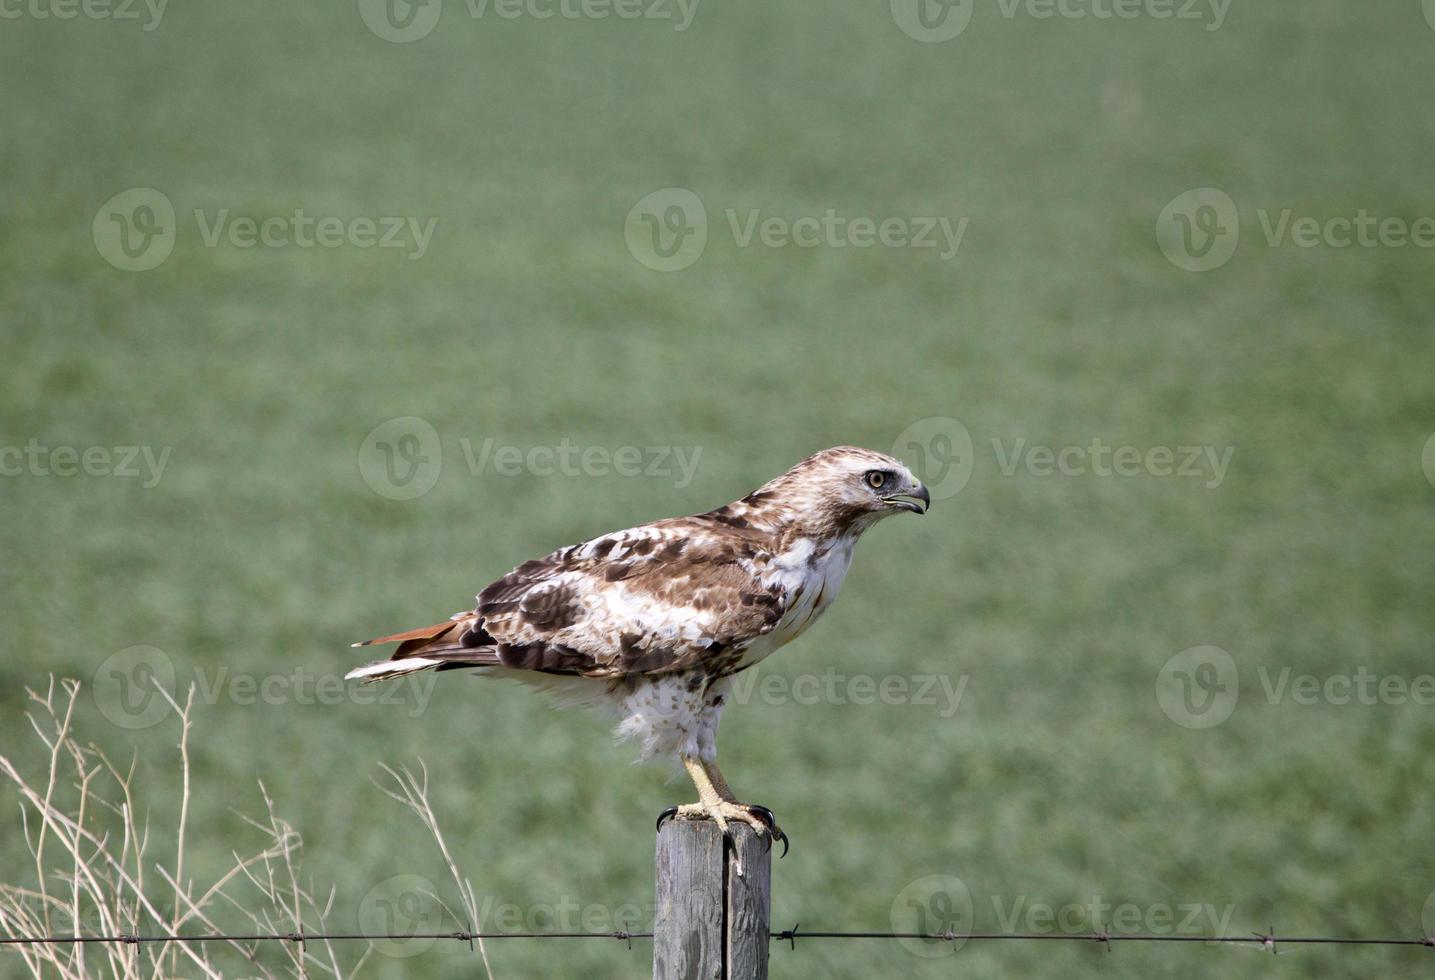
point(262, 551)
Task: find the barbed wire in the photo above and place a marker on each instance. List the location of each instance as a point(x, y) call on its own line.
point(790, 936)
point(1267, 939)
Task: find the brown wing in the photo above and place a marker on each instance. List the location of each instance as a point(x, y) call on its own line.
point(658, 598)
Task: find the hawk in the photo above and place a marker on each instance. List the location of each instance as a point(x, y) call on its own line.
point(650, 624)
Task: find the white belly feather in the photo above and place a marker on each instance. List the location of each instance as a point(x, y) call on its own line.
point(666, 715)
point(812, 581)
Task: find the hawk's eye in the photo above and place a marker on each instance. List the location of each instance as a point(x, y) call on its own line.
point(876, 479)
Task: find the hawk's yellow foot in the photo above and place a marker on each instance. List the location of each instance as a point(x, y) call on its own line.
point(718, 804)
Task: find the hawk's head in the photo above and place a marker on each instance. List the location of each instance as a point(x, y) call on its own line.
point(843, 489)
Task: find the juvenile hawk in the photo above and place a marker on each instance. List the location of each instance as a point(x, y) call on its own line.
point(651, 623)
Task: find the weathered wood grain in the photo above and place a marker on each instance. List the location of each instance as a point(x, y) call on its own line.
point(749, 898)
point(711, 923)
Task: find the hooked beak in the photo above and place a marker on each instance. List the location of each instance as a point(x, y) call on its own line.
point(919, 501)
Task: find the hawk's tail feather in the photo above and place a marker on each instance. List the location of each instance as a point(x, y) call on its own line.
point(437, 647)
point(439, 659)
point(423, 633)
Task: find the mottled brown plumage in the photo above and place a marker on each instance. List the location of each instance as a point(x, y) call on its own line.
point(652, 621)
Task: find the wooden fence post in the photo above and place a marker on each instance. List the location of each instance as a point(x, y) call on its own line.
point(711, 923)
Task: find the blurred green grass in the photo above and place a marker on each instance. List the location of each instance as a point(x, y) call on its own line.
point(528, 321)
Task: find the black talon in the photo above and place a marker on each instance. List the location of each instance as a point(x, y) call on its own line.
point(782, 837)
point(667, 814)
point(771, 820)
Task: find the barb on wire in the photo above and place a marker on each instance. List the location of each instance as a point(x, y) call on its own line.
point(790, 935)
